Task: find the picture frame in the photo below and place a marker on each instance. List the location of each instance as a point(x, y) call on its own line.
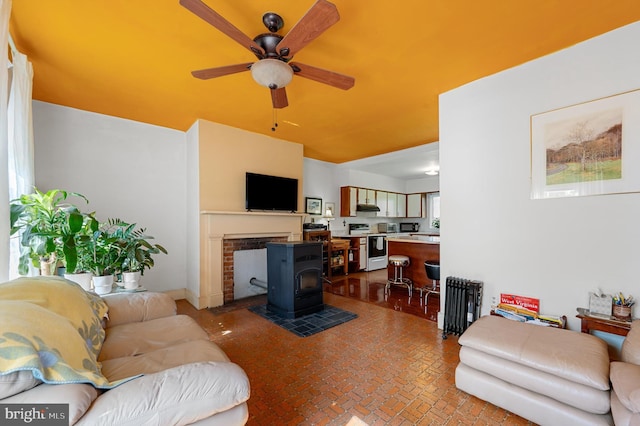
point(591, 148)
point(330, 209)
point(313, 205)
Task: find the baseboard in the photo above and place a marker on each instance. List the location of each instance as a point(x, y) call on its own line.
point(178, 294)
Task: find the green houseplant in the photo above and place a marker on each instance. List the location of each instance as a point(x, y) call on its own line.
point(48, 227)
point(136, 252)
point(104, 254)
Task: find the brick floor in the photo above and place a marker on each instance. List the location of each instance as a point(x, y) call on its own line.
point(388, 367)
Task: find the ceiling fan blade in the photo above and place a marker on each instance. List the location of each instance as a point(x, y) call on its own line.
point(320, 75)
point(208, 73)
point(318, 18)
point(212, 17)
point(279, 98)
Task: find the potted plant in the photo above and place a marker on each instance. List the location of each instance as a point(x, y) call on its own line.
point(78, 262)
point(105, 254)
point(136, 253)
point(48, 227)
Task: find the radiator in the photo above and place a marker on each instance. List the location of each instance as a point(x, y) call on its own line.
point(462, 305)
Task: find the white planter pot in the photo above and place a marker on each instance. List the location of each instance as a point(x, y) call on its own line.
point(83, 279)
point(103, 284)
point(131, 280)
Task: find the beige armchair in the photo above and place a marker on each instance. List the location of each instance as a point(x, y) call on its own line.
point(625, 380)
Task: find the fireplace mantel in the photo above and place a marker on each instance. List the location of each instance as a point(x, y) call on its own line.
point(217, 226)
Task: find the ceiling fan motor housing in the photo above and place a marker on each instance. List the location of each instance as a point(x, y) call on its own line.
point(268, 43)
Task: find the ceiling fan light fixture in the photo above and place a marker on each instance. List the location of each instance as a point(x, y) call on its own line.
point(271, 73)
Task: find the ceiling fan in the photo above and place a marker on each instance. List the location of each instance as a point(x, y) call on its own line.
point(273, 69)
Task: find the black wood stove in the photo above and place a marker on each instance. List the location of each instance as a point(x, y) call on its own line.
point(294, 278)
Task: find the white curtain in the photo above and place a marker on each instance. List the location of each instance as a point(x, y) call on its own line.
point(5, 12)
point(21, 174)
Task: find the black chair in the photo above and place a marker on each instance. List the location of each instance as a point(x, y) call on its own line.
point(433, 273)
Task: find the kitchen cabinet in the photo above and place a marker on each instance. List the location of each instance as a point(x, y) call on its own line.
point(381, 202)
point(396, 205)
point(348, 201)
point(366, 196)
point(391, 204)
point(351, 196)
point(415, 204)
point(401, 205)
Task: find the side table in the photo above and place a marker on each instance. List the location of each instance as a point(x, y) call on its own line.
point(607, 325)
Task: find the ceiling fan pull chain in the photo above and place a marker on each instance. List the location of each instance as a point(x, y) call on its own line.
point(275, 120)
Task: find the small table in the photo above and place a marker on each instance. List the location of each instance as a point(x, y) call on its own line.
point(608, 325)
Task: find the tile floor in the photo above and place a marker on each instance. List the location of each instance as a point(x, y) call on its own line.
point(389, 366)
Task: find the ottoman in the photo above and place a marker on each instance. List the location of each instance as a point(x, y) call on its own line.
point(547, 375)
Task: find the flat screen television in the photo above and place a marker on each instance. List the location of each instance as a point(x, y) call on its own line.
point(264, 192)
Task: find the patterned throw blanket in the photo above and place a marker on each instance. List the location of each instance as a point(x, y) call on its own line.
point(53, 328)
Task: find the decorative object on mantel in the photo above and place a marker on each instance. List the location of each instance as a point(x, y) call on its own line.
point(578, 150)
point(313, 205)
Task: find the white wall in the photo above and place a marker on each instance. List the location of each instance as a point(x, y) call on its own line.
point(557, 249)
point(128, 170)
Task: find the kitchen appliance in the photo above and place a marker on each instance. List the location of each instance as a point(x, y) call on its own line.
point(359, 229)
point(377, 252)
point(409, 227)
point(387, 228)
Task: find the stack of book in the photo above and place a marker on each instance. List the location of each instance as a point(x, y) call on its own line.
point(518, 313)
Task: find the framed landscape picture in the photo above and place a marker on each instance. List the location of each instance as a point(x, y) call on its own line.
point(313, 205)
point(591, 148)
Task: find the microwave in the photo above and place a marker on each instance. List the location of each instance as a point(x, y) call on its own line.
point(387, 228)
point(409, 227)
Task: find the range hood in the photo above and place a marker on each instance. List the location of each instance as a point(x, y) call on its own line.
point(367, 208)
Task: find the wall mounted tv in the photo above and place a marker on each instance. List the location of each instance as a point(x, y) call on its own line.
point(264, 192)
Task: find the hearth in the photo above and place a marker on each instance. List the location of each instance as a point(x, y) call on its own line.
point(294, 278)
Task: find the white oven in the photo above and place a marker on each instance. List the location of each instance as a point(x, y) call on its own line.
point(377, 252)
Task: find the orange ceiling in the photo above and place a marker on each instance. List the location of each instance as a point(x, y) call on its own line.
point(132, 59)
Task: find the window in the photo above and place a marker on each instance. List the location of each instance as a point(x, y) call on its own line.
point(433, 209)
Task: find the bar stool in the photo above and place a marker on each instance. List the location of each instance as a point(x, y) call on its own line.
point(432, 269)
point(399, 262)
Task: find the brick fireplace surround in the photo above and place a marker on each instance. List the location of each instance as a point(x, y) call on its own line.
point(230, 246)
point(222, 233)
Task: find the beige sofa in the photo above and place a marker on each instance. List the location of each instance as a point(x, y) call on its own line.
point(547, 375)
point(153, 368)
point(625, 380)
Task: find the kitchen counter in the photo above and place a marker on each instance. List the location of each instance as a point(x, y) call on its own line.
point(419, 249)
point(423, 239)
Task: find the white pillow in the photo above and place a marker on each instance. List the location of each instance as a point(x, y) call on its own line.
point(16, 382)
